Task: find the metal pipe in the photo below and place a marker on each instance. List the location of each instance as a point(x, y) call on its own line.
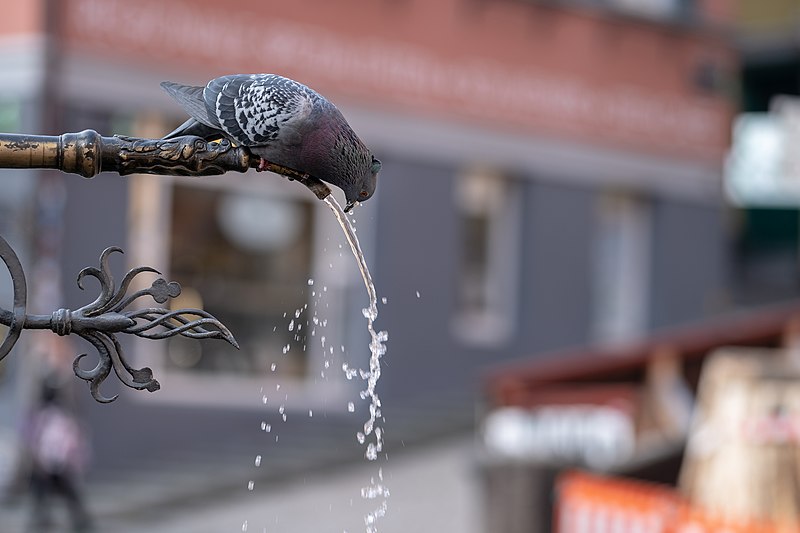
point(87, 154)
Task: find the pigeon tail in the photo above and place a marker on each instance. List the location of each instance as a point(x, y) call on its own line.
point(191, 100)
point(194, 127)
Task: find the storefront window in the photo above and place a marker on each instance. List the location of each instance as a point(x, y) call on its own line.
point(245, 258)
point(488, 222)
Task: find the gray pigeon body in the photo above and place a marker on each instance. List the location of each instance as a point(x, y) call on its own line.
point(283, 122)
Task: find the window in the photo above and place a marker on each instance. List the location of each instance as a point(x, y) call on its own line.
point(246, 259)
point(488, 223)
point(621, 268)
point(244, 247)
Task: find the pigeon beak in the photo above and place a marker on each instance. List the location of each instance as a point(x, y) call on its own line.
point(349, 206)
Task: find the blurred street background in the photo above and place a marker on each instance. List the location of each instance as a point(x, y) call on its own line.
point(585, 236)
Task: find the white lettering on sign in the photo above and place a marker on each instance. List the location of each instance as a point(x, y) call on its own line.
point(597, 436)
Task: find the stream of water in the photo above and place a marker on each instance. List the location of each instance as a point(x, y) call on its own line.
point(375, 490)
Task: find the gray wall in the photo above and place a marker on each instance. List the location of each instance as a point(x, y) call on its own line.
point(417, 251)
point(690, 261)
point(557, 267)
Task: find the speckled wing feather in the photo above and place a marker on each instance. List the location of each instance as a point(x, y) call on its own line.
point(259, 109)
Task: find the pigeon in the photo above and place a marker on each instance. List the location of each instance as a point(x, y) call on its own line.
point(283, 122)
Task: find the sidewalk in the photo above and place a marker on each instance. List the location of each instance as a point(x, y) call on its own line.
point(433, 487)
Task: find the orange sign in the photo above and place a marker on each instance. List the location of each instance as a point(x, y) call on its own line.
point(588, 503)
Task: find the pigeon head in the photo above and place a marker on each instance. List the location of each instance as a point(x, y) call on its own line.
point(363, 186)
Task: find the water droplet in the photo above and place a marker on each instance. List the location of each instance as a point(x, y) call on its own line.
point(258, 461)
point(251, 485)
point(384, 300)
point(322, 339)
point(310, 412)
point(244, 526)
point(267, 427)
point(273, 366)
point(351, 407)
point(327, 364)
point(264, 399)
point(277, 386)
point(291, 325)
point(349, 373)
point(281, 409)
point(310, 282)
point(417, 294)
point(263, 426)
point(360, 436)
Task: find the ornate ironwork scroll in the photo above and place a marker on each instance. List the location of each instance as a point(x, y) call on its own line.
point(88, 153)
point(100, 321)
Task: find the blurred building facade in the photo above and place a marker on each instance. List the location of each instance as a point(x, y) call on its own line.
point(766, 251)
point(552, 177)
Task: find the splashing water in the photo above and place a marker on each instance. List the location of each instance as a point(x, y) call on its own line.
point(377, 349)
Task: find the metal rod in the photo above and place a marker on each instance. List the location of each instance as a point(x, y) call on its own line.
point(87, 153)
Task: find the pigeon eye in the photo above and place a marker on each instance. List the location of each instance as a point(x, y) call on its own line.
point(363, 194)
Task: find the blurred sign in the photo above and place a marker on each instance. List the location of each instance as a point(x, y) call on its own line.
point(763, 168)
point(594, 435)
point(588, 503)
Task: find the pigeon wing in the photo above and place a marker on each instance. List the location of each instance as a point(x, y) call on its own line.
point(260, 109)
point(191, 100)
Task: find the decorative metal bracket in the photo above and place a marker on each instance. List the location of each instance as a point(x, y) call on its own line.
point(87, 154)
point(99, 321)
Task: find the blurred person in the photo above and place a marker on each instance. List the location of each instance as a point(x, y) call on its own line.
point(58, 455)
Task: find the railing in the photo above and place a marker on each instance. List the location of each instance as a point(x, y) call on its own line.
point(87, 154)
